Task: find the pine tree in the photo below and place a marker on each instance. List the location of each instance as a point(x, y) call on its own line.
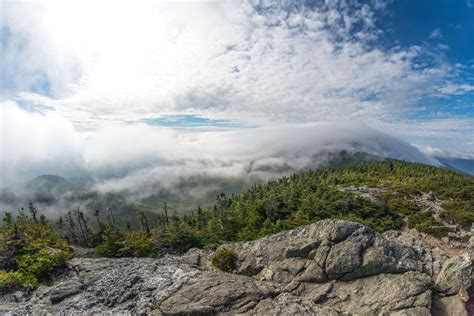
point(144, 221)
point(166, 218)
point(200, 218)
point(96, 214)
point(71, 227)
point(42, 220)
point(33, 212)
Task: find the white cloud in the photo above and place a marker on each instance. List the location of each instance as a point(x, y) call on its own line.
point(436, 34)
point(456, 89)
point(31, 140)
point(262, 64)
point(432, 151)
point(452, 134)
point(136, 156)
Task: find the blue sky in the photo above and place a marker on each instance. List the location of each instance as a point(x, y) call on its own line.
point(403, 67)
point(190, 121)
point(445, 27)
point(413, 23)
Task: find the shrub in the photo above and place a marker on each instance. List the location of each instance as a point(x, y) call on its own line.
point(461, 212)
point(137, 244)
point(181, 237)
point(42, 263)
point(423, 222)
point(224, 259)
point(399, 204)
point(34, 248)
point(116, 243)
point(14, 280)
point(111, 244)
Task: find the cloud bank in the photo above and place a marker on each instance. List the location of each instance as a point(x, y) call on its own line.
point(134, 157)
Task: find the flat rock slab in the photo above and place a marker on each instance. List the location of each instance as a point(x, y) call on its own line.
point(331, 267)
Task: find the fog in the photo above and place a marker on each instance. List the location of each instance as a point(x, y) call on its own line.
point(133, 157)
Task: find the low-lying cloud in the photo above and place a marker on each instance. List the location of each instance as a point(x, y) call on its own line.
point(134, 157)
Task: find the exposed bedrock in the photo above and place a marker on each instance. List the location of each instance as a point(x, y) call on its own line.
point(331, 267)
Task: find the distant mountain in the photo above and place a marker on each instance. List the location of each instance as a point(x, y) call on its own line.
point(81, 181)
point(48, 182)
point(47, 188)
point(464, 165)
point(344, 158)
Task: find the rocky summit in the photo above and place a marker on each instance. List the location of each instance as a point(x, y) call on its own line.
point(331, 267)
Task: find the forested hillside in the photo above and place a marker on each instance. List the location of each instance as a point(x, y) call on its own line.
point(393, 187)
point(314, 195)
point(287, 203)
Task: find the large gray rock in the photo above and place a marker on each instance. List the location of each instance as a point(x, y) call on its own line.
point(116, 286)
point(432, 259)
point(330, 249)
point(382, 293)
point(330, 267)
point(213, 292)
point(449, 305)
point(455, 275)
point(346, 256)
point(287, 304)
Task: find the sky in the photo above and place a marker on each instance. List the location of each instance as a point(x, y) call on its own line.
point(73, 71)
